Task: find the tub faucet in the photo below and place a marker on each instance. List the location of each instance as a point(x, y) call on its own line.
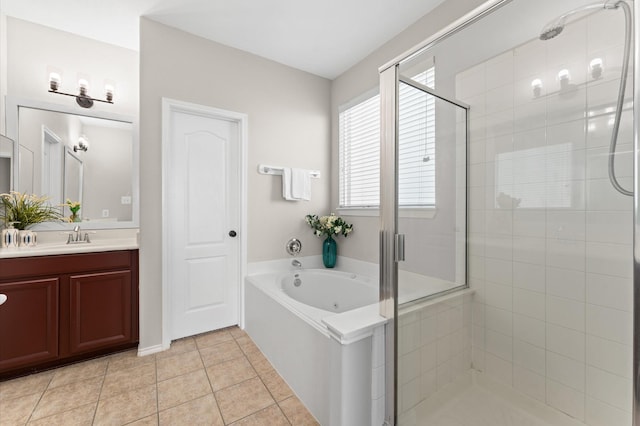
point(296, 263)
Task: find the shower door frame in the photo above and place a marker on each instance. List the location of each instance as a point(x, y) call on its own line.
point(391, 249)
point(636, 218)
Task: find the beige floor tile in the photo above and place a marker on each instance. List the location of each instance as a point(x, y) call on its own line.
point(129, 359)
point(127, 380)
point(75, 372)
point(64, 398)
point(200, 411)
point(178, 365)
point(276, 385)
point(121, 388)
point(243, 399)
point(213, 338)
point(230, 373)
point(127, 407)
point(76, 417)
point(237, 332)
point(183, 388)
point(187, 344)
point(297, 413)
point(25, 385)
point(271, 416)
point(17, 411)
point(260, 363)
point(152, 420)
point(221, 352)
point(247, 345)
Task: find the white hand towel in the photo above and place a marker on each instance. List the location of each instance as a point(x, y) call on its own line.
point(286, 184)
point(301, 184)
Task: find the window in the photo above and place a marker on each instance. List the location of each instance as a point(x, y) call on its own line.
point(359, 144)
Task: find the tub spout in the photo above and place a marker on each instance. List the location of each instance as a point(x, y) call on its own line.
point(296, 263)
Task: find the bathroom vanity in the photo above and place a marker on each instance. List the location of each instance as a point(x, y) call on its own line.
point(65, 307)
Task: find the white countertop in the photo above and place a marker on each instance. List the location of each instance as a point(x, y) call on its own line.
point(56, 244)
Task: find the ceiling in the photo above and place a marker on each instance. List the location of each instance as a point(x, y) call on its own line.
point(324, 37)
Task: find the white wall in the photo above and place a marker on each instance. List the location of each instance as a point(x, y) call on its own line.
point(34, 50)
point(288, 126)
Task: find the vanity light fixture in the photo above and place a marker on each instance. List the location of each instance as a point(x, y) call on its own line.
point(82, 98)
point(82, 145)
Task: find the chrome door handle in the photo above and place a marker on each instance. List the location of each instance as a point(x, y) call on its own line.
point(399, 248)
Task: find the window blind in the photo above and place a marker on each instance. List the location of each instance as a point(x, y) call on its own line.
point(416, 144)
point(359, 134)
point(359, 145)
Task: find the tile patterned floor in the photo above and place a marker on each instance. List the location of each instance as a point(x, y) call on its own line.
point(218, 378)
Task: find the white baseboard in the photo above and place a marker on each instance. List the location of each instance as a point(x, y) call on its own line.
point(151, 350)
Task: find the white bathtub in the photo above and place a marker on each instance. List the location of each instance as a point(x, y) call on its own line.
point(325, 338)
point(328, 291)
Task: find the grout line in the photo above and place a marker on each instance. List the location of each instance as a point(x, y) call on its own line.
point(39, 399)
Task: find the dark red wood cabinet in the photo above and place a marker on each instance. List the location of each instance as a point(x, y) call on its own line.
point(65, 308)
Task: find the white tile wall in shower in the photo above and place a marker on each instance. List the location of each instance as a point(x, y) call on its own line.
point(550, 239)
point(434, 344)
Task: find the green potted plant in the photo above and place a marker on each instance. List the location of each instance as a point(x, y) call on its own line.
point(74, 206)
point(23, 210)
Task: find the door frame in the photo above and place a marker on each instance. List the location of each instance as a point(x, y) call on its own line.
point(170, 106)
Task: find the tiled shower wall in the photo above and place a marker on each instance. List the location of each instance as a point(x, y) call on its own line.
point(434, 349)
point(550, 240)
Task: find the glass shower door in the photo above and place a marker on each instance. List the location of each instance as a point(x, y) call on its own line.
point(431, 215)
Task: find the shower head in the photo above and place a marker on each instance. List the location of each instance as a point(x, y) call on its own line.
point(550, 32)
point(555, 27)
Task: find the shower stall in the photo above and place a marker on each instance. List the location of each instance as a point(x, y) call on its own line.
point(508, 254)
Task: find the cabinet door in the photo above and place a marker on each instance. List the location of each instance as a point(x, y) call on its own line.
point(100, 310)
point(28, 323)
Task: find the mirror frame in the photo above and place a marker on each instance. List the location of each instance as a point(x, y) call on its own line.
point(12, 112)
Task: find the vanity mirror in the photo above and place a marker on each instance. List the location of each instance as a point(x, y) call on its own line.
point(67, 155)
point(6, 164)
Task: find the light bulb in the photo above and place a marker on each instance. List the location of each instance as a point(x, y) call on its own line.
point(596, 68)
point(108, 88)
point(54, 81)
point(83, 85)
point(564, 76)
point(536, 85)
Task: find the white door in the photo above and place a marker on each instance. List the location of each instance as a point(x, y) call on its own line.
point(203, 213)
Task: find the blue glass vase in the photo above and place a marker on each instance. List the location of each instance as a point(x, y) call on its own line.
point(329, 252)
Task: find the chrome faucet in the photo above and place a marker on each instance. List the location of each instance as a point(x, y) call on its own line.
point(76, 236)
point(296, 263)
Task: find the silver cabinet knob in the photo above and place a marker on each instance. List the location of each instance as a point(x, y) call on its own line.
point(3, 298)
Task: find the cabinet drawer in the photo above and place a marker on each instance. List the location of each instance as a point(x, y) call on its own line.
point(27, 267)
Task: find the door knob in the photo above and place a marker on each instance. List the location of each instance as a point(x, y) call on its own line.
point(232, 233)
point(3, 298)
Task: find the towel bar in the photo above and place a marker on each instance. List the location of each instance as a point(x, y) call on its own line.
point(274, 170)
